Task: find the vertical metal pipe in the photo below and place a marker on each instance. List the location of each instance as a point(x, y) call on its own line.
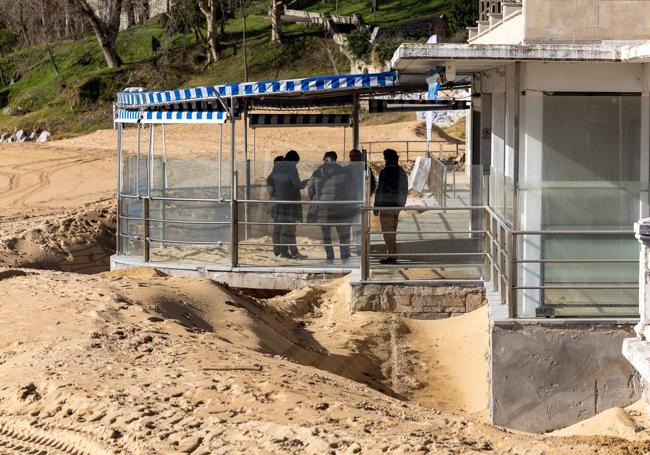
point(234, 232)
point(118, 243)
point(164, 184)
point(365, 246)
point(220, 156)
point(511, 278)
point(247, 169)
point(137, 162)
point(164, 162)
point(355, 122)
point(145, 234)
point(515, 189)
point(150, 159)
point(254, 151)
point(345, 130)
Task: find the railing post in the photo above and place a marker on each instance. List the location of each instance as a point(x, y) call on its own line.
point(407, 151)
point(145, 228)
point(495, 258)
point(365, 247)
point(511, 278)
point(234, 224)
point(486, 272)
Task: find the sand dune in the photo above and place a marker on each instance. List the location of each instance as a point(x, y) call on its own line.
point(108, 363)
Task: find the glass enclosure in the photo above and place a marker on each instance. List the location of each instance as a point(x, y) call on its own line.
point(581, 188)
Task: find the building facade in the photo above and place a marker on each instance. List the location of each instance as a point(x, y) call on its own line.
point(561, 128)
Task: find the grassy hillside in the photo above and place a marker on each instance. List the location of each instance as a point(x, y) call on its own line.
point(79, 98)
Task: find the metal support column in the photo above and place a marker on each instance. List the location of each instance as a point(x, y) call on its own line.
point(365, 246)
point(145, 230)
point(247, 176)
point(512, 252)
point(164, 184)
point(355, 122)
point(234, 232)
point(118, 245)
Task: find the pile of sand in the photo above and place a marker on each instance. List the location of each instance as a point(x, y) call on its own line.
point(160, 365)
point(73, 240)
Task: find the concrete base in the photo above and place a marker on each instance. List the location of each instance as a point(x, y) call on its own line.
point(637, 352)
point(278, 278)
point(421, 301)
point(548, 375)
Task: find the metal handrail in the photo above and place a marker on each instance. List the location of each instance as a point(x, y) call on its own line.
point(500, 258)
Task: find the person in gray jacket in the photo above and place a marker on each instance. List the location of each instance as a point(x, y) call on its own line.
point(328, 184)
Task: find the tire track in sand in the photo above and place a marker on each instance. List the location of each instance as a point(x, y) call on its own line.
point(18, 194)
point(19, 438)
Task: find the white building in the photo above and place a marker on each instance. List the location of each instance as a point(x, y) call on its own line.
point(561, 131)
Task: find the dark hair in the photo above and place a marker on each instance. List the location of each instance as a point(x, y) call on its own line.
point(292, 155)
point(391, 157)
point(355, 152)
point(330, 156)
point(278, 158)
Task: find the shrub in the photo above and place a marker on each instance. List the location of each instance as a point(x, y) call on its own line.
point(461, 14)
point(385, 47)
point(359, 43)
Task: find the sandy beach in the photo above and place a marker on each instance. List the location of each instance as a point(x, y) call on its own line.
point(135, 362)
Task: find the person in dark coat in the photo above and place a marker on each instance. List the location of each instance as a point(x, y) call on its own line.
point(286, 187)
point(392, 191)
point(328, 183)
point(270, 186)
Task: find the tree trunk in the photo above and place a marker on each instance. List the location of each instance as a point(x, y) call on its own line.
point(130, 13)
point(105, 32)
point(211, 11)
point(276, 21)
point(243, 17)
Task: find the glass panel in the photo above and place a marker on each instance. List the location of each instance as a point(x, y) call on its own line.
point(430, 245)
point(581, 171)
point(274, 230)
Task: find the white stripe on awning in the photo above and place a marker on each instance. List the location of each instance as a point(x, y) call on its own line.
point(157, 117)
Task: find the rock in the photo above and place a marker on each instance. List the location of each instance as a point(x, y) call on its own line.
point(20, 136)
point(14, 111)
point(44, 136)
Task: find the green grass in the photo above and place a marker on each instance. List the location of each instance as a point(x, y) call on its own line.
point(79, 99)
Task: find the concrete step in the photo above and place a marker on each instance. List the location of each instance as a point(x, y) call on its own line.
point(482, 26)
point(510, 8)
point(473, 31)
point(494, 19)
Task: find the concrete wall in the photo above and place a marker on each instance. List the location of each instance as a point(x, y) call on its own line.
point(546, 376)
point(586, 20)
point(417, 301)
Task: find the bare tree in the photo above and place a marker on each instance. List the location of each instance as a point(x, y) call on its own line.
point(243, 10)
point(213, 12)
point(107, 30)
point(277, 8)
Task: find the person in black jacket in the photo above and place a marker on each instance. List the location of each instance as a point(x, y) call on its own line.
point(392, 190)
point(328, 183)
point(286, 184)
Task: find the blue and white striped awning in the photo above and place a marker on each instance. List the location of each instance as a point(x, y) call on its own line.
point(135, 116)
point(279, 120)
point(321, 84)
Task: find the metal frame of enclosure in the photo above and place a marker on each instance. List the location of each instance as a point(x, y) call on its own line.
point(214, 210)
